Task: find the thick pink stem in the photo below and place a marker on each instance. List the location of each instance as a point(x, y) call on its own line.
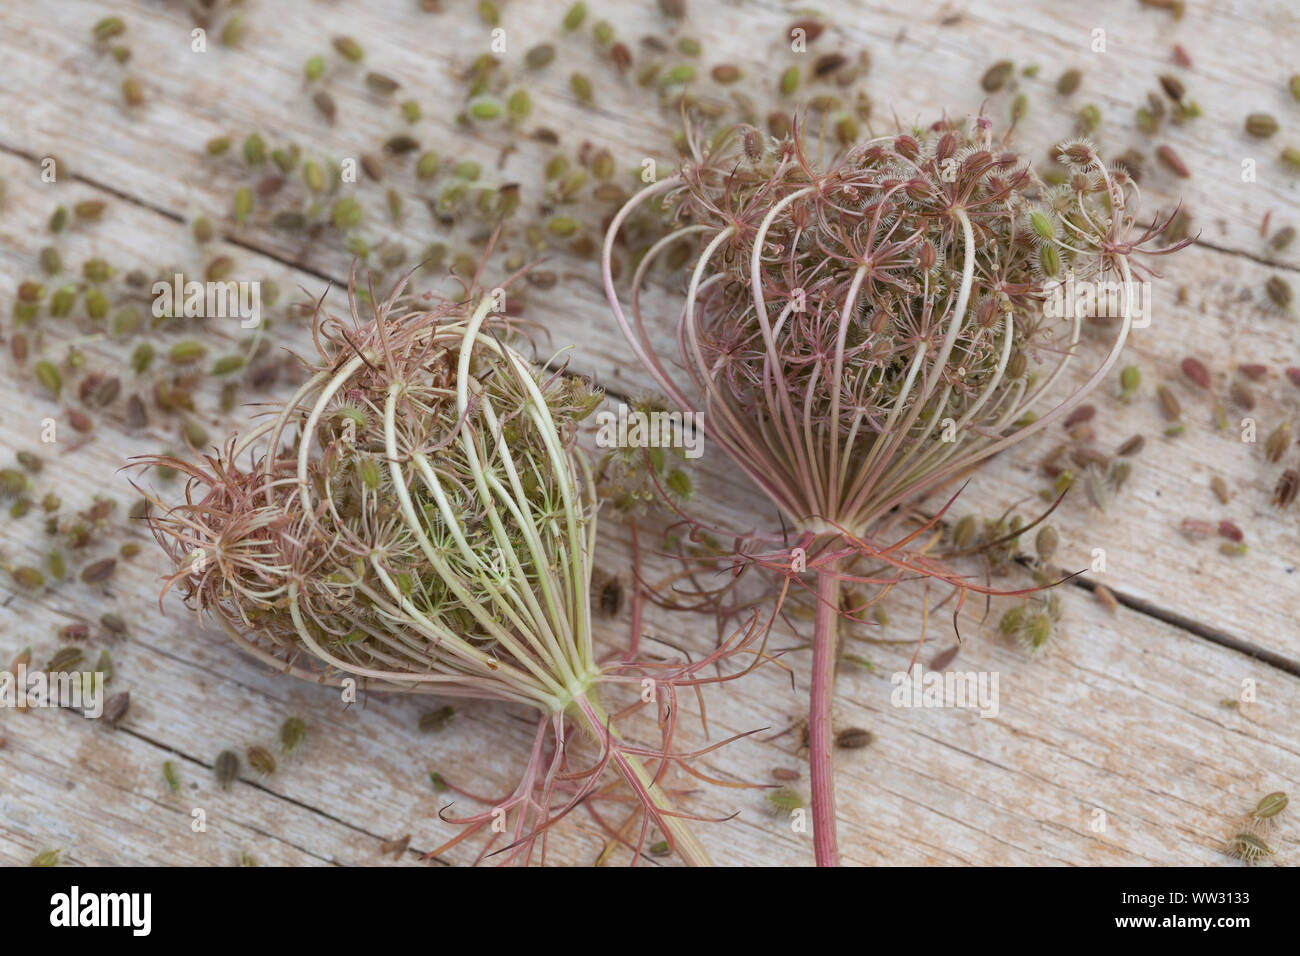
point(821, 767)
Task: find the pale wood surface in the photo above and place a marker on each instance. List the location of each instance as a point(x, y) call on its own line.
point(1124, 714)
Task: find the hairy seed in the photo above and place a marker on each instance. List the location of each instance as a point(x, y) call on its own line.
point(260, 759)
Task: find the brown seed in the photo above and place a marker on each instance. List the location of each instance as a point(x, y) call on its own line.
point(1196, 528)
point(99, 571)
point(1181, 57)
point(395, 847)
point(1081, 414)
point(726, 73)
point(1068, 82)
point(1131, 446)
point(79, 420)
point(996, 76)
point(785, 775)
point(1173, 161)
point(1169, 403)
point(260, 759)
point(854, 738)
point(1107, 598)
point(115, 708)
point(1241, 394)
point(1278, 441)
point(1230, 531)
point(1279, 290)
point(325, 103)
point(18, 347)
point(1195, 370)
point(226, 768)
point(945, 657)
point(1220, 489)
point(381, 83)
point(1293, 373)
point(1253, 370)
point(828, 63)
point(622, 57)
point(1261, 125)
point(1288, 484)
point(1282, 238)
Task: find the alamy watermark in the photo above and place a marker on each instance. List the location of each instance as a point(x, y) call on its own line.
point(1068, 297)
point(636, 428)
point(210, 300)
point(80, 690)
point(921, 688)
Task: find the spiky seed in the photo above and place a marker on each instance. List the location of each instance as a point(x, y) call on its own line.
point(1249, 847)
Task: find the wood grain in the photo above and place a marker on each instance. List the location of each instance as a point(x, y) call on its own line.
point(1124, 714)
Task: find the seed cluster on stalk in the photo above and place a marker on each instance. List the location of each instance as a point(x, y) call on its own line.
point(417, 518)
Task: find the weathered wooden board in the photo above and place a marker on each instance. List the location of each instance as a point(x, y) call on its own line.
point(1123, 715)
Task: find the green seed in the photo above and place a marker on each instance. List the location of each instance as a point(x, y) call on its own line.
point(58, 220)
point(581, 87)
point(411, 111)
point(313, 176)
point(28, 578)
point(682, 73)
point(203, 230)
point(227, 364)
point(1279, 291)
point(49, 376)
point(92, 210)
point(170, 775)
point(467, 169)
point(519, 105)
point(1019, 107)
point(426, 167)
point(485, 108)
point(142, 358)
point(349, 49)
point(1261, 125)
point(187, 352)
point(292, 732)
point(1130, 379)
point(58, 567)
point(314, 69)
point(1068, 82)
point(488, 13)
point(789, 80)
point(217, 145)
point(439, 784)
point(233, 31)
point(46, 858)
point(1270, 805)
point(243, 204)
point(254, 149)
point(576, 14)
point(784, 799)
point(108, 28)
point(346, 214)
point(1291, 156)
point(562, 226)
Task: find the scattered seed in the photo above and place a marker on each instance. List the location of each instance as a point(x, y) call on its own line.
point(1169, 403)
point(324, 103)
point(581, 87)
point(1196, 371)
point(98, 571)
point(292, 732)
point(115, 708)
point(260, 759)
point(1220, 489)
point(170, 775)
point(1230, 531)
point(113, 624)
point(226, 768)
point(539, 56)
point(438, 782)
point(854, 738)
point(784, 799)
point(395, 847)
point(243, 204)
point(1249, 847)
point(1282, 238)
point(1046, 542)
point(1270, 806)
point(1068, 82)
point(996, 76)
point(1288, 484)
point(46, 858)
point(1279, 291)
point(436, 720)
point(1165, 153)
point(1107, 598)
point(348, 48)
point(1261, 125)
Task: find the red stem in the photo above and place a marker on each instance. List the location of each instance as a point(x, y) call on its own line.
point(821, 767)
